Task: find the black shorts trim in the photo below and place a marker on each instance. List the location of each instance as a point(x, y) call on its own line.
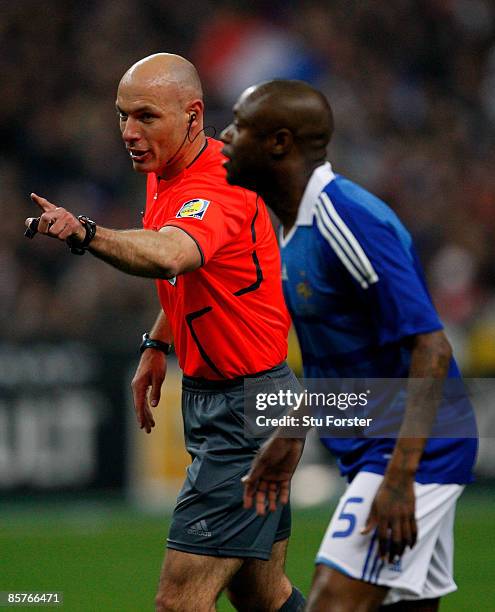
point(282, 535)
point(213, 551)
point(194, 383)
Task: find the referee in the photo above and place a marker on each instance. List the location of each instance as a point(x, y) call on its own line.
point(212, 250)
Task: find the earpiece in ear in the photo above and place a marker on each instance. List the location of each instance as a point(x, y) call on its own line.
point(192, 117)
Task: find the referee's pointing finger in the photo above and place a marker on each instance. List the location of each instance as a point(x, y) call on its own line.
point(43, 203)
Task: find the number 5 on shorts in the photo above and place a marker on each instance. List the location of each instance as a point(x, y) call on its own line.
point(347, 516)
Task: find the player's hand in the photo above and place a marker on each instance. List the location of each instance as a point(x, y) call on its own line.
point(269, 477)
point(56, 222)
point(146, 386)
point(392, 514)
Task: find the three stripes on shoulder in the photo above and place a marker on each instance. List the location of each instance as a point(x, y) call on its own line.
point(343, 242)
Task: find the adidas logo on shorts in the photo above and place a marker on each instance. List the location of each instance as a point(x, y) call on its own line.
point(200, 528)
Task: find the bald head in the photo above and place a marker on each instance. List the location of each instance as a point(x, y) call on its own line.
point(293, 105)
point(167, 72)
point(160, 107)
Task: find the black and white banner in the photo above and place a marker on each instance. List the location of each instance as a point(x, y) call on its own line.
point(62, 418)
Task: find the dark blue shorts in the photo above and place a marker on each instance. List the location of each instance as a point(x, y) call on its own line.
point(209, 518)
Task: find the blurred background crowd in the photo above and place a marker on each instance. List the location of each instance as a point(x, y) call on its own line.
point(412, 85)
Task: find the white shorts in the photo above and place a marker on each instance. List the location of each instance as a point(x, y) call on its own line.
point(425, 572)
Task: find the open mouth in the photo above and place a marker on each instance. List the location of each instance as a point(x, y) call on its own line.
point(137, 156)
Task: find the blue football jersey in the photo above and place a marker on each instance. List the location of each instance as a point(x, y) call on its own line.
point(357, 294)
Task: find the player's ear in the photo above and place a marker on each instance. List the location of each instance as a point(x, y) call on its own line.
point(281, 142)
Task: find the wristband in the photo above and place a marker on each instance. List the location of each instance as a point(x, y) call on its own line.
point(148, 342)
point(77, 247)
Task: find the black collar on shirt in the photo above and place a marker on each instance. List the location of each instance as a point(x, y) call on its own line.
point(200, 152)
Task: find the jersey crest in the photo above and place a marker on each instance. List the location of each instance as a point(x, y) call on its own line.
point(304, 290)
point(194, 209)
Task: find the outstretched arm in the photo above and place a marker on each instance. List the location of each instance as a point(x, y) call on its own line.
point(162, 254)
point(392, 511)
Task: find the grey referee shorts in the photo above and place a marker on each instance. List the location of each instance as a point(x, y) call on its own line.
point(209, 518)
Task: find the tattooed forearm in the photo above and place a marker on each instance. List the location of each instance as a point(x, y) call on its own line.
point(431, 356)
point(430, 361)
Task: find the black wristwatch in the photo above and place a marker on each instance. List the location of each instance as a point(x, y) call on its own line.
point(79, 248)
point(148, 342)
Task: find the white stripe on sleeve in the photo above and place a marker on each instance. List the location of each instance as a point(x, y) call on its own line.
point(337, 248)
point(348, 242)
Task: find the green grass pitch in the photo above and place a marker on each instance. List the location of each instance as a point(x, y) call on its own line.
point(107, 558)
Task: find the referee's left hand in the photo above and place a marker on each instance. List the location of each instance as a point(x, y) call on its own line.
point(268, 480)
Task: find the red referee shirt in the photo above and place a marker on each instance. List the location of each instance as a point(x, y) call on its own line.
point(228, 317)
